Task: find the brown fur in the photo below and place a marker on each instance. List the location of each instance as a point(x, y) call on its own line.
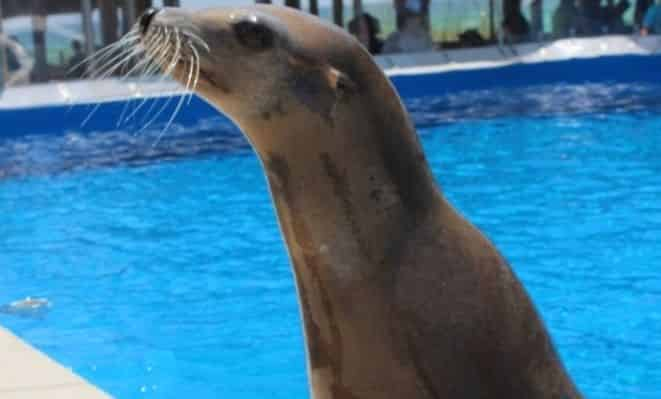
point(401, 297)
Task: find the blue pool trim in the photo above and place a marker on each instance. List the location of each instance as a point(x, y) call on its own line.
point(61, 119)
point(616, 69)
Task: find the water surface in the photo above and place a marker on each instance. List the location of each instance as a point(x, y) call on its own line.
point(168, 277)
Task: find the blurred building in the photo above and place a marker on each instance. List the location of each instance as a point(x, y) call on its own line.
point(116, 18)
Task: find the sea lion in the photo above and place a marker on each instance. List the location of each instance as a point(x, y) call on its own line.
point(401, 297)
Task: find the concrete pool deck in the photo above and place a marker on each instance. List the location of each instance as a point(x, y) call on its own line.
point(27, 373)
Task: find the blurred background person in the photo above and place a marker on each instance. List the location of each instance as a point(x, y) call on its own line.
point(612, 16)
point(652, 20)
point(413, 37)
point(515, 26)
point(537, 20)
point(641, 9)
point(76, 66)
point(589, 17)
point(366, 29)
point(416, 8)
point(595, 19)
point(564, 19)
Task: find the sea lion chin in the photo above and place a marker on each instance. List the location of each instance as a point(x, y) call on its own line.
point(401, 297)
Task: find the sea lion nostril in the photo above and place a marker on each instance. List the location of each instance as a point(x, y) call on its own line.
point(146, 19)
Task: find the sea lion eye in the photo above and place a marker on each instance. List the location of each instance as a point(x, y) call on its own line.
point(253, 34)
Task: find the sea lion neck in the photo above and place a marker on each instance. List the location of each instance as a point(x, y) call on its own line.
point(363, 173)
point(348, 194)
point(367, 141)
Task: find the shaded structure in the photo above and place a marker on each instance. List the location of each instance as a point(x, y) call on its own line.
point(515, 27)
point(511, 7)
point(117, 16)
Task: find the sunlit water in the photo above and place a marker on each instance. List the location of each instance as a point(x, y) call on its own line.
point(167, 276)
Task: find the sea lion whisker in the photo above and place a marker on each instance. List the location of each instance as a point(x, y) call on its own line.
point(124, 109)
point(89, 116)
point(148, 112)
point(158, 42)
point(149, 67)
point(152, 37)
point(155, 117)
point(89, 60)
point(190, 63)
point(193, 66)
point(113, 64)
point(102, 54)
point(180, 103)
point(166, 38)
point(128, 39)
point(155, 51)
point(149, 43)
point(103, 62)
point(177, 53)
point(123, 73)
point(191, 70)
point(111, 69)
point(140, 65)
point(100, 75)
point(151, 107)
point(135, 53)
point(146, 67)
point(160, 62)
point(137, 66)
point(173, 63)
point(193, 37)
point(197, 61)
point(161, 57)
point(152, 46)
point(135, 111)
point(134, 31)
point(161, 54)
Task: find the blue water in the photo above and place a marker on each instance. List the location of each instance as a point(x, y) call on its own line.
point(168, 277)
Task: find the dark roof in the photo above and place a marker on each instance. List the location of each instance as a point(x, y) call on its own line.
point(12, 8)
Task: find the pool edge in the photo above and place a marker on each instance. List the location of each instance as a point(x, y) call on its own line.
point(29, 373)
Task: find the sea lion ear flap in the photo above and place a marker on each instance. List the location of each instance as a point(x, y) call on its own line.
point(340, 82)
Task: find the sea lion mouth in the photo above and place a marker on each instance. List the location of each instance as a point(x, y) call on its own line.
point(176, 51)
point(165, 43)
point(174, 43)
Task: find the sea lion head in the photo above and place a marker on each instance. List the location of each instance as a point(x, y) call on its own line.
point(303, 91)
point(256, 62)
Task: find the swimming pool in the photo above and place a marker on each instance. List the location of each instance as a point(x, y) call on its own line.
point(168, 276)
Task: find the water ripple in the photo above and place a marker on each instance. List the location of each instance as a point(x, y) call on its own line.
point(171, 279)
point(59, 152)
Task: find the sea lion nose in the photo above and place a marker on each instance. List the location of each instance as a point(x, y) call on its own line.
point(146, 19)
